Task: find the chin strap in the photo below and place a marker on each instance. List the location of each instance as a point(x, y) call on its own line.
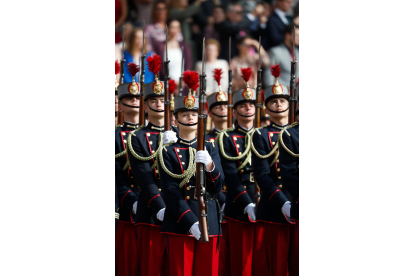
point(278, 111)
point(186, 124)
point(220, 116)
point(153, 109)
point(120, 101)
point(247, 116)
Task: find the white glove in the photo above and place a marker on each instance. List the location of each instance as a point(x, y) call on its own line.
point(160, 214)
point(169, 136)
point(195, 231)
point(222, 207)
point(134, 207)
point(286, 208)
point(202, 156)
point(250, 211)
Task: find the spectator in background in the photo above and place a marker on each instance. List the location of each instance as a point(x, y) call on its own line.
point(273, 34)
point(218, 16)
point(212, 52)
point(156, 31)
point(133, 53)
point(296, 15)
point(282, 54)
point(139, 10)
point(231, 27)
point(257, 17)
point(121, 12)
point(181, 11)
point(248, 57)
point(174, 52)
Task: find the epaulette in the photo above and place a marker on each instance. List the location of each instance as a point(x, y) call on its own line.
point(213, 143)
point(258, 131)
point(118, 126)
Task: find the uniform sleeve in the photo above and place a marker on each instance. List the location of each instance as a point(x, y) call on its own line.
point(235, 188)
point(214, 178)
point(173, 196)
point(145, 176)
point(126, 196)
point(261, 173)
point(288, 167)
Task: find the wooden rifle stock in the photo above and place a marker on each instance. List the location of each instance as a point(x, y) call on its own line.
point(167, 103)
point(142, 81)
point(257, 117)
point(292, 101)
point(229, 96)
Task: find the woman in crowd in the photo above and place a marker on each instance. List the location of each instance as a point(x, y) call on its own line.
point(133, 53)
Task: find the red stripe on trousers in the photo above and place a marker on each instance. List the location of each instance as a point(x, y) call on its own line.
point(126, 249)
point(260, 266)
point(241, 247)
point(224, 255)
point(151, 245)
point(188, 257)
point(277, 248)
point(294, 250)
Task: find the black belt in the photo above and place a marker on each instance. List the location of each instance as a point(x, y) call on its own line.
point(190, 192)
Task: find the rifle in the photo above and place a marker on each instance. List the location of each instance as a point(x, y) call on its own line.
point(121, 76)
point(142, 80)
point(230, 97)
point(257, 117)
point(167, 102)
point(200, 175)
point(180, 82)
point(293, 100)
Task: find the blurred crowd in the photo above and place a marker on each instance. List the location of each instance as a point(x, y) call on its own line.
point(189, 21)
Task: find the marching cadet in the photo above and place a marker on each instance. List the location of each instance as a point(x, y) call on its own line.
point(177, 163)
point(235, 156)
point(143, 147)
point(288, 143)
point(217, 107)
point(126, 253)
point(274, 205)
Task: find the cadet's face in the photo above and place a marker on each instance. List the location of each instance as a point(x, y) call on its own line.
point(156, 103)
point(246, 108)
point(188, 117)
point(278, 104)
point(134, 101)
point(221, 110)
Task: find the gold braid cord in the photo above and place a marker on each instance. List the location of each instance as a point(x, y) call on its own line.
point(247, 142)
point(263, 156)
point(191, 170)
point(141, 158)
point(280, 140)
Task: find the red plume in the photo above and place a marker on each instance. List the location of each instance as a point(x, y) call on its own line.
point(190, 78)
point(217, 75)
point(275, 70)
point(171, 86)
point(117, 67)
point(196, 86)
point(246, 73)
point(133, 68)
point(154, 63)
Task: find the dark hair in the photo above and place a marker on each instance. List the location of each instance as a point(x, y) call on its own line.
point(296, 10)
point(289, 28)
point(169, 20)
point(154, 6)
point(240, 38)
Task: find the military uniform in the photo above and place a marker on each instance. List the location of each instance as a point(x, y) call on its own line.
point(276, 225)
point(144, 143)
point(186, 255)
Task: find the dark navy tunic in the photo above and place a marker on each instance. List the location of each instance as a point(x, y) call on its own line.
point(182, 208)
point(273, 193)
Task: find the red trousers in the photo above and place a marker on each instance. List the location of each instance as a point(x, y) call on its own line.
point(224, 254)
point(260, 266)
point(126, 249)
point(294, 250)
point(189, 257)
point(241, 238)
point(277, 239)
point(151, 245)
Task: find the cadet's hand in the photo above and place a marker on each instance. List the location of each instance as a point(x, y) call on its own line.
point(250, 211)
point(195, 231)
point(286, 208)
point(169, 136)
point(160, 214)
point(202, 156)
point(134, 207)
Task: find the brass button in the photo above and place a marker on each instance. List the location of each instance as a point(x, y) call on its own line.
point(124, 141)
point(224, 187)
point(238, 146)
point(240, 153)
point(245, 186)
point(180, 156)
point(148, 134)
point(150, 142)
point(279, 177)
point(132, 186)
point(152, 151)
point(178, 150)
point(183, 163)
point(241, 171)
point(188, 188)
point(280, 186)
point(235, 138)
point(123, 133)
point(211, 199)
point(271, 134)
point(184, 170)
point(132, 176)
point(273, 143)
point(188, 197)
point(278, 169)
point(159, 189)
point(277, 161)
